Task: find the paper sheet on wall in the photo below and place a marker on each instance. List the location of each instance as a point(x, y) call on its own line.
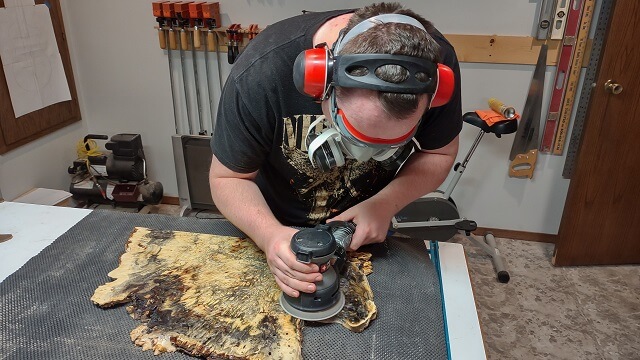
point(30, 57)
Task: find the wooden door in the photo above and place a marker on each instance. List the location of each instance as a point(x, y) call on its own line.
point(601, 219)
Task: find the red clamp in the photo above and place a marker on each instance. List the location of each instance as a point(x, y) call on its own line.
point(235, 38)
point(253, 31)
point(211, 14)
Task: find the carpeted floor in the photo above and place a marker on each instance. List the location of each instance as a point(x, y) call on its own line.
point(545, 312)
point(548, 312)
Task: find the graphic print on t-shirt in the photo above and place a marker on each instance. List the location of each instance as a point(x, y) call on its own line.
point(329, 193)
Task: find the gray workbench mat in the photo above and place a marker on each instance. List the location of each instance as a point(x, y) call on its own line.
point(46, 312)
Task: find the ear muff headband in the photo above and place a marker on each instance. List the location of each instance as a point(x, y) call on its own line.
point(373, 21)
point(411, 85)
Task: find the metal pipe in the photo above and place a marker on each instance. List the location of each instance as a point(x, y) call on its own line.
point(201, 130)
point(173, 91)
point(498, 260)
point(460, 167)
point(185, 83)
point(206, 68)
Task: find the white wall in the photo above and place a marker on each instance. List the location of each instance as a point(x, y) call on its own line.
point(123, 81)
point(41, 163)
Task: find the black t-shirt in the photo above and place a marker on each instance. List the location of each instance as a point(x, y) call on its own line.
point(262, 122)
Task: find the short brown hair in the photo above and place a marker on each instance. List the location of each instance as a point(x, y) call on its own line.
point(391, 38)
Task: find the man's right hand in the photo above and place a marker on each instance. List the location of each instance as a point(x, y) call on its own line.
point(227, 186)
point(291, 275)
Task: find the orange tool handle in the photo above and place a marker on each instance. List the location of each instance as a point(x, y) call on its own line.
point(173, 44)
point(162, 38)
point(210, 42)
point(196, 37)
point(184, 39)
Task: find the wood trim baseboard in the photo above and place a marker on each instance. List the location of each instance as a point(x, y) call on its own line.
point(170, 200)
point(518, 235)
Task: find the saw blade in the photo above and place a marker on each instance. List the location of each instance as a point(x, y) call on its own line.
point(528, 129)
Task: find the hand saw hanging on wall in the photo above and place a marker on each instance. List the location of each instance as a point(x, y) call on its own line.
point(524, 151)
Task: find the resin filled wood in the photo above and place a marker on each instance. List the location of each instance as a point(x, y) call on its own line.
point(214, 296)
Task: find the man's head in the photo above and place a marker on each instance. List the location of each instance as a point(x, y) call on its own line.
point(378, 114)
point(375, 85)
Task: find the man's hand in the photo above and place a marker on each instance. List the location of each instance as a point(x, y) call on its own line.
point(421, 174)
point(227, 187)
point(291, 275)
point(372, 221)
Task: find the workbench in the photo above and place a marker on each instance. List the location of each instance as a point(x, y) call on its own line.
point(34, 227)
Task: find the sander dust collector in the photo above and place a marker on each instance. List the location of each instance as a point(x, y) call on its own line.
point(117, 177)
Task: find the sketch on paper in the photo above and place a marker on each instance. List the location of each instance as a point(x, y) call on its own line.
point(31, 61)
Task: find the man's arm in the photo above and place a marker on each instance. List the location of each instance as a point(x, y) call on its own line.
point(238, 198)
point(423, 173)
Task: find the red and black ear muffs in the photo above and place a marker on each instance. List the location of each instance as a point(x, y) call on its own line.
point(313, 72)
point(316, 70)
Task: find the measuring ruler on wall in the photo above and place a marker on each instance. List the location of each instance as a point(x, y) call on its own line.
point(604, 18)
point(574, 77)
point(563, 79)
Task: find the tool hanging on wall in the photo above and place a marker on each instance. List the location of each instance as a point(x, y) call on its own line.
point(524, 151)
point(211, 18)
point(253, 31)
point(181, 22)
point(169, 14)
point(560, 18)
point(545, 19)
point(195, 20)
point(604, 17)
point(181, 26)
point(182, 14)
point(237, 40)
point(234, 36)
point(164, 12)
point(211, 14)
point(161, 20)
point(573, 78)
point(566, 78)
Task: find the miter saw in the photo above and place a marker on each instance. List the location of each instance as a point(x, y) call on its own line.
point(326, 246)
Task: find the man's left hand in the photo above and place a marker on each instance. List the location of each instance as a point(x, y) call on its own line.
point(372, 222)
